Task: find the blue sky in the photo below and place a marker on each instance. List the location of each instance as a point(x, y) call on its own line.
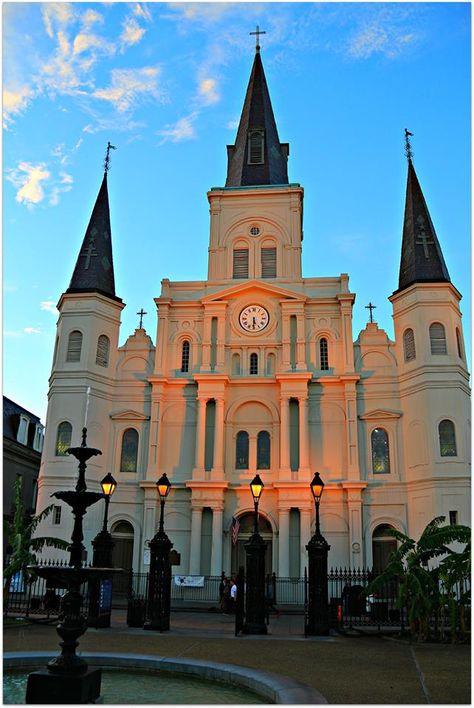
point(165, 83)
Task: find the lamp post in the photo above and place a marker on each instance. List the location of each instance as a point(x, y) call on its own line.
point(159, 577)
point(255, 571)
point(103, 544)
point(317, 620)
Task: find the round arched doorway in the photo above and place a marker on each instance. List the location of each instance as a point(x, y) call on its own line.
point(382, 546)
point(122, 556)
point(245, 531)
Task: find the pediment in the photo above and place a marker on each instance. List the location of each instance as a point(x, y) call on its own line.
point(129, 415)
point(255, 286)
point(380, 414)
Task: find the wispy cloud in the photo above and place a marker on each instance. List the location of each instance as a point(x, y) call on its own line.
point(379, 39)
point(141, 10)
point(183, 129)
point(49, 306)
point(28, 179)
point(132, 33)
point(129, 85)
point(15, 101)
point(208, 91)
point(32, 330)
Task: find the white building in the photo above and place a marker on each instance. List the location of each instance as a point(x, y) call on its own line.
point(257, 369)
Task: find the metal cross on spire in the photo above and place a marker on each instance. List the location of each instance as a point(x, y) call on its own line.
point(408, 150)
point(141, 313)
point(371, 307)
point(257, 32)
point(107, 157)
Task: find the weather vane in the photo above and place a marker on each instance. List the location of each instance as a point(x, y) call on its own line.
point(107, 157)
point(141, 313)
point(408, 150)
point(257, 32)
point(371, 307)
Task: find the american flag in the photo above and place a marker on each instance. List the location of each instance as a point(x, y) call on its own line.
point(235, 530)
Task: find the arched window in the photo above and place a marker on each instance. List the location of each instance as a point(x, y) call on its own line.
point(74, 346)
point(240, 267)
point(380, 452)
point(128, 459)
point(459, 342)
point(63, 438)
point(254, 364)
point(263, 450)
point(323, 354)
point(103, 348)
point(242, 450)
point(269, 262)
point(383, 545)
point(447, 439)
point(185, 356)
point(409, 345)
point(438, 339)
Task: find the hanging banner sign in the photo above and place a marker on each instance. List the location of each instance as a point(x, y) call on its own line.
point(189, 581)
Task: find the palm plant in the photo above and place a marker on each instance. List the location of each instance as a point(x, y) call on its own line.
point(19, 534)
point(418, 586)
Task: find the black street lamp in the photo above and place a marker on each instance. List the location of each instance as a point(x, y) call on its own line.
point(255, 571)
point(103, 544)
point(317, 620)
point(159, 577)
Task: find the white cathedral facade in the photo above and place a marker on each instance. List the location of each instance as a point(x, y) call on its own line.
point(256, 370)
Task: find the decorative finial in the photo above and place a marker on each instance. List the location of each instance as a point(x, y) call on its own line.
point(371, 307)
point(141, 313)
point(408, 150)
point(257, 32)
point(107, 157)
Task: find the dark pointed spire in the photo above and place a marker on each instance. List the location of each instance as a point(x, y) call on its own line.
point(422, 260)
point(94, 271)
point(258, 157)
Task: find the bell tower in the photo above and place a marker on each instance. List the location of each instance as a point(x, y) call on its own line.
point(433, 376)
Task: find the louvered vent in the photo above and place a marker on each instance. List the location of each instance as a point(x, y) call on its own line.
point(74, 346)
point(255, 147)
point(241, 263)
point(438, 339)
point(269, 262)
point(102, 355)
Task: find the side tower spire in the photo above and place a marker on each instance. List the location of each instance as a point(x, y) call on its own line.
point(94, 270)
point(258, 157)
point(422, 259)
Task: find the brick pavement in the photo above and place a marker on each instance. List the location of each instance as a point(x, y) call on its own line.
point(345, 669)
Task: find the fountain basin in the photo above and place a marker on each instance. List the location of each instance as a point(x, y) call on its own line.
point(271, 687)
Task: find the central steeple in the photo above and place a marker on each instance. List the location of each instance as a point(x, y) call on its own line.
point(258, 157)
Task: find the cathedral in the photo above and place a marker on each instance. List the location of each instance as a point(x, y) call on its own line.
point(257, 370)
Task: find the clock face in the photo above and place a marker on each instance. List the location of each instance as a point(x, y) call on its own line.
point(254, 318)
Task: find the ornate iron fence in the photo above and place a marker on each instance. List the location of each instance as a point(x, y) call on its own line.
point(37, 599)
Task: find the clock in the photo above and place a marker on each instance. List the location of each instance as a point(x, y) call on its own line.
point(254, 318)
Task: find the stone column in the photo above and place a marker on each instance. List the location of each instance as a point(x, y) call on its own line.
point(220, 354)
point(353, 472)
point(162, 337)
point(283, 542)
point(304, 470)
point(200, 438)
point(218, 468)
point(300, 342)
point(284, 436)
point(305, 536)
point(285, 340)
point(206, 343)
point(195, 545)
point(216, 553)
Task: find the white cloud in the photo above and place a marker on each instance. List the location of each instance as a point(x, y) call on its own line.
point(28, 178)
point(11, 333)
point(131, 33)
point(49, 306)
point(232, 124)
point(141, 10)
point(127, 85)
point(31, 330)
point(65, 178)
point(183, 129)
point(56, 13)
point(15, 102)
point(208, 91)
point(91, 17)
point(83, 42)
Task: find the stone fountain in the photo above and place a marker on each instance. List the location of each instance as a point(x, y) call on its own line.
point(67, 678)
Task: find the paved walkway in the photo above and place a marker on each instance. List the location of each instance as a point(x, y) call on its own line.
point(345, 669)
